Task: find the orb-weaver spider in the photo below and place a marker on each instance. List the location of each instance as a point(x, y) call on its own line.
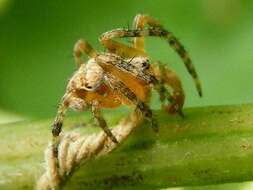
point(124, 75)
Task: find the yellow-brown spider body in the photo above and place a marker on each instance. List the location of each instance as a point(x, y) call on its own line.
point(87, 84)
point(124, 75)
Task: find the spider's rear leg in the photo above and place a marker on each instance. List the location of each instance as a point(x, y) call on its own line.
point(101, 121)
point(83, 47)
point(166, 77)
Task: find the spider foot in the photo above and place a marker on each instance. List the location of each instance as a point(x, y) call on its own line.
point(173, 110)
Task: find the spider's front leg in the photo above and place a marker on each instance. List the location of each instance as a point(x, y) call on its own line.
point(69, 100)
point(101, 121)
point(83, 47)
point(58, 122)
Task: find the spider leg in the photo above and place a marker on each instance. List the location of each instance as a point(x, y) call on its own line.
point(159, 31)
point(139, 23)
point(58, 122)
point(138, 47)
point(125, 92)
point(101, 121)
point(144, 108)
point(120, 48)
point(83, 47)
point(69, 100)
point(164, 77)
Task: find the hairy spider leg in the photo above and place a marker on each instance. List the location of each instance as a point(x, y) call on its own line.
point(103, 98)
point(62, 108)
point(58, 122)
point(166, 76)
point(138, 47)
point(139, 23)
point(101, 121)
point(70, 99)
point(83, 47)
point(125, 92)
point(158, 32)
point(120, 49)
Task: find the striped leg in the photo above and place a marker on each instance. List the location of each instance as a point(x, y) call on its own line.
point(101, 121)
point(63, 106)
point(139, 23)
point(138, 47)
point(166, 77)
point(159, 32)
point(58, 122)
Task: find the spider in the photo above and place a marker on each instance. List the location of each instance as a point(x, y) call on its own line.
point(124, 75)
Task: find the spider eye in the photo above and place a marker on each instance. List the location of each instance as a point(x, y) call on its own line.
point(145, 65)
point(89, 87)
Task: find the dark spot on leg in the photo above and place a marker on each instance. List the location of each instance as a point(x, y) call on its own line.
point(56, 129)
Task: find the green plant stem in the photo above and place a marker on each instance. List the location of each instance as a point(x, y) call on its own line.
point(210, 145)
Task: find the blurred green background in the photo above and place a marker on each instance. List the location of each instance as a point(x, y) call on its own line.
point(37, 38)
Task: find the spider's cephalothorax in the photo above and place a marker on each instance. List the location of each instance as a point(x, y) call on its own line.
point(124, 75)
